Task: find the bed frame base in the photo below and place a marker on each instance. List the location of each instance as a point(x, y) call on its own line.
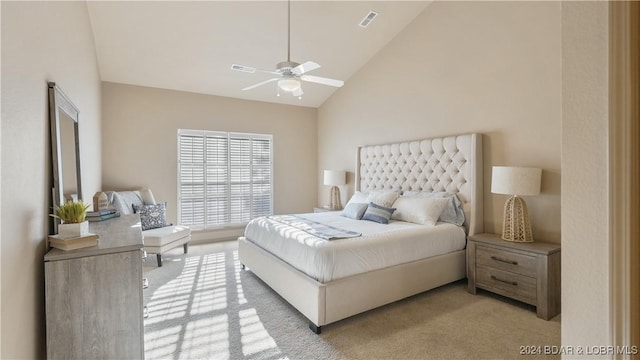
point(327, 303)
point(315, 328)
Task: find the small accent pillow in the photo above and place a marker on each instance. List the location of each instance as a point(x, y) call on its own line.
point(377, 213)
point(452, 213)
point(384, 198)
point(152, 216)
point(419, 210)
point(354, 210)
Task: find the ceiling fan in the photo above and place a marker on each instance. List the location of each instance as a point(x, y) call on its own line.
point(290, 73)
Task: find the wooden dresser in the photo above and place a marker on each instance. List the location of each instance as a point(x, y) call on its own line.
point(528, 272)
point(93, 295)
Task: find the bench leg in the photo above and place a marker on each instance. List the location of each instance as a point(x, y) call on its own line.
point(159, 257)
point(185, 247)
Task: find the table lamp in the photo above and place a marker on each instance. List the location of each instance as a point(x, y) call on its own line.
point(334, 178)
point(516, 181)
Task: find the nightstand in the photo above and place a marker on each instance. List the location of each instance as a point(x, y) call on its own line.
point(528, 272)
point(324, 209)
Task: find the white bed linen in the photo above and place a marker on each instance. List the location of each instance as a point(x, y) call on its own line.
point(380, 246)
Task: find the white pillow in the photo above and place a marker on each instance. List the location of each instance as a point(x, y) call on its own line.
point(384, 198)
point(358, 198)
point(452, 213)
point(378, 197)
point(419, 210)
point(147, 197)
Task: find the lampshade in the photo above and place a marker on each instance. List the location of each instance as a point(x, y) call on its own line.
point(334, 177)
point(289, 84)
point(512, 180)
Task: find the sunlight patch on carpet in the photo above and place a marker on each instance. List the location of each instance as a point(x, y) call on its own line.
point(241, 299)
point(255, 338)
point(206, 336)
point(202, 312)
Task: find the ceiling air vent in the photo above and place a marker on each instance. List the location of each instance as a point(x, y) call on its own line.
point(243, 68)
point(368, 19)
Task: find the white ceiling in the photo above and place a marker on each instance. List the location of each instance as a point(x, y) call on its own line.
point(191, 45)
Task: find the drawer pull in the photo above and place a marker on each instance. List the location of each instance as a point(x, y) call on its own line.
point(504, 261)
point(504, 281)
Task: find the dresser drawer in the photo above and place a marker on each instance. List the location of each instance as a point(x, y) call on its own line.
point(506, 260)
point(505, 283)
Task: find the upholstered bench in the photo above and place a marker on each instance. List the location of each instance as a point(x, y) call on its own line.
point(158, 237)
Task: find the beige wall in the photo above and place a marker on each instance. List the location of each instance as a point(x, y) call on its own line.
point(585, 153)
point(494, 68)
point(140, 136)
point(488, 67)
point(41, 41)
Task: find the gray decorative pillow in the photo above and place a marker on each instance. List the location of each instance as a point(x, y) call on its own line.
point(152, 216)
point(354, 210)
point(377, 213)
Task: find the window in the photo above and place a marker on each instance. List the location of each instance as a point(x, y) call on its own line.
point(223, 178)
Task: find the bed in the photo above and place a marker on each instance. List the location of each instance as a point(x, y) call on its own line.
point(451, 164)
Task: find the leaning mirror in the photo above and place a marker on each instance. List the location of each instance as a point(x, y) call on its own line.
point(65, 148)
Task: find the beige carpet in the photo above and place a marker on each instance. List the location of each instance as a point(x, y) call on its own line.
point(202, 306)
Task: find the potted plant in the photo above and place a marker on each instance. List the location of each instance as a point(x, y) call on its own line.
point(72, 214)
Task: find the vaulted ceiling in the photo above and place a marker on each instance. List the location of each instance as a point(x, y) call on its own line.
point(191, 45)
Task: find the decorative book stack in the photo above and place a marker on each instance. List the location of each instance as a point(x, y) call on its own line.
point(73, 243)
point(101, 215)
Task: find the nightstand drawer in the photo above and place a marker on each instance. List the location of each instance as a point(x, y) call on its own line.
point(506, 260)
point(505, 283)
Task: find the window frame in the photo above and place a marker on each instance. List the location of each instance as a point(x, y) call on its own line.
point(230, 168)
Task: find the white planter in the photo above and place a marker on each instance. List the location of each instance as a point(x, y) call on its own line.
point(67, 231)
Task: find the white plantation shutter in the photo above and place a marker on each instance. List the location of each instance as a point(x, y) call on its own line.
point(191, 179)
point(223, 178)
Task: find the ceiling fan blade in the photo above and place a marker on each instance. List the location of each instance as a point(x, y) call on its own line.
point(247, 69)
point(322, 80)
point(251, 70)
point(305, 68)
point(269, 72)
point(261, 83)
point(298, 92)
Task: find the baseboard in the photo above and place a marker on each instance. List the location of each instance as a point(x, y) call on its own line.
point(209, 236)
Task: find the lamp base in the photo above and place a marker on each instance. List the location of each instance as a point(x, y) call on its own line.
point(516, 226)
point(335, 203)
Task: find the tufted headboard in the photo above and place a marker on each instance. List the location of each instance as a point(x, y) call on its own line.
point(452, 164)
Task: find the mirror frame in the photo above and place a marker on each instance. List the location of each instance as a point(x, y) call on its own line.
point(58, 102)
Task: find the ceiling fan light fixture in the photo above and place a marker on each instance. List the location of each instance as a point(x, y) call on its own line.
point(289, 84)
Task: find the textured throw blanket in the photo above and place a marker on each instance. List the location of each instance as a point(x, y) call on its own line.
point(314, 228)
